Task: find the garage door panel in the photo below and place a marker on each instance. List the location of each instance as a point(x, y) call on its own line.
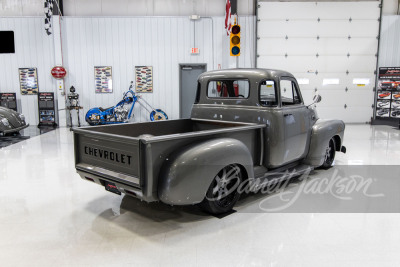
point(332, 98)
point(290, 63)
point(348, 115)
point(327, 64)
point(354, 10)
point(359, 98)
point(363, 46)
point(341, 64)
point(361, 63)
point(309, 28)
point(291, 29)
point(330, 112)
point(345, 49)
point(307, 95)
point(323, 10)
point(327, 46)
point(273, 46)
point(323, 46)
point(287, 10)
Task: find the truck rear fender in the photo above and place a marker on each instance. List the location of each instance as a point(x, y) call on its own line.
point(322, 132)
point(187, 174)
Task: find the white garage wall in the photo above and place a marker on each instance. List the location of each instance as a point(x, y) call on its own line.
point(33, 48)
point(161, 42)
point(127, 7)
point(389, 48)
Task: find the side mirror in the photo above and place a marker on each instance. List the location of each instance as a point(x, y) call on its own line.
point(317, 98)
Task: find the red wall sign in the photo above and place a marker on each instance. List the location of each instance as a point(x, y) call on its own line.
point(58, 72)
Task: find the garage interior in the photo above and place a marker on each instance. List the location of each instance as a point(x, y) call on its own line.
point(49, 216)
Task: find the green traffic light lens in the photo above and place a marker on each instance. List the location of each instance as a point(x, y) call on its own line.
point(235, 29)
point(235, 50)
point(235, 40)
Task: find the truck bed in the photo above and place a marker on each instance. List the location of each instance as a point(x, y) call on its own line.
point(133, 154)
point(162, 128)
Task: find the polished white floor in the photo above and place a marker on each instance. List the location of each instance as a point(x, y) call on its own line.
point(50, 217)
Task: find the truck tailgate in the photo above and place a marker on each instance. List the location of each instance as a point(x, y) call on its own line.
point(108, 156)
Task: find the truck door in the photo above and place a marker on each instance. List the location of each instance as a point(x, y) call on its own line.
point(296, 121)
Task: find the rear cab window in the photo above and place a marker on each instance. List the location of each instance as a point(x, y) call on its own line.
point(228, 89)
point(268, 95)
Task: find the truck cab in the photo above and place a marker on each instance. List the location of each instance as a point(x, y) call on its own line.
point(269, 97)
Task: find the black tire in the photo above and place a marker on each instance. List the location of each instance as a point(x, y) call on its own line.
point(330, 153)
point(222, 194)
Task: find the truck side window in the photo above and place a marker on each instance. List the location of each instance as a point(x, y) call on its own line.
point(228, 89)
point(268, 94)
point(289, 94)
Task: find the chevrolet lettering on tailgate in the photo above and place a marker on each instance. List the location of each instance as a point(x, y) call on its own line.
point(108, 155)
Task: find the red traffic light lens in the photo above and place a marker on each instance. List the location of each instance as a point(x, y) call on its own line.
point(235, 29)
point(235, 40)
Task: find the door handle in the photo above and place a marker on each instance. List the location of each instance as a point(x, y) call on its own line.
point(288, 114)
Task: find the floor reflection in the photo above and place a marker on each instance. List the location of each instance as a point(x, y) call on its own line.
point(31, 131)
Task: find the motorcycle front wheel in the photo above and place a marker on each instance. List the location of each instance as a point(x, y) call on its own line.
point(158, 115)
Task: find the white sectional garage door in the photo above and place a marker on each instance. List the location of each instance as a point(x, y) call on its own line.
point(328, 46)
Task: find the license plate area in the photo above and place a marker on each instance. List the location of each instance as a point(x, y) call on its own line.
point(111, 187)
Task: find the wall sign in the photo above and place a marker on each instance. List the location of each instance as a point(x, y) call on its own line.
point(103, 79)
point(47, 112)
point(28, 81)
point(8, 100)
point(389, 73)
point(144, 79)
point(58, 72)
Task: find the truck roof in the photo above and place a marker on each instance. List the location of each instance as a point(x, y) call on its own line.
point(247, 73)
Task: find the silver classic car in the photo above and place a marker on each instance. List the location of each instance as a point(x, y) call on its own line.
point(248, 126)
point(11, 121)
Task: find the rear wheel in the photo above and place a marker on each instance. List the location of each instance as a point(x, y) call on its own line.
point(222, 194)
point(329, 154)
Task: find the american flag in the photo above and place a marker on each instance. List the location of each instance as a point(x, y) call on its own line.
point(228, 24)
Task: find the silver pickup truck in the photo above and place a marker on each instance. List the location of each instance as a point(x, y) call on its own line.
point(246, 125)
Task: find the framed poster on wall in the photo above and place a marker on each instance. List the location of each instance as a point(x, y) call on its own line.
point(47, 111)
point(28, 81)
point(144, 79)
point(103, 79)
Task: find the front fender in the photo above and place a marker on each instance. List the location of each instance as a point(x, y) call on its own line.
point(322, 132)
point(188, 173)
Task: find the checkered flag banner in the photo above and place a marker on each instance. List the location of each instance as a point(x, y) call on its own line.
point(48, 12)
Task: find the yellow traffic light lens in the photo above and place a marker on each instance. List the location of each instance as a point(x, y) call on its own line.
point(235, 40)
point(235, 29)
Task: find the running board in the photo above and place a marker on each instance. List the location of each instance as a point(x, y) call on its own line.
point(273, 177)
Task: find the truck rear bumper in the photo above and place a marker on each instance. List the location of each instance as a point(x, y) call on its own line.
point(125, 187)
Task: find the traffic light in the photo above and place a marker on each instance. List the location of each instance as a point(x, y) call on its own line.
point(235, 40)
